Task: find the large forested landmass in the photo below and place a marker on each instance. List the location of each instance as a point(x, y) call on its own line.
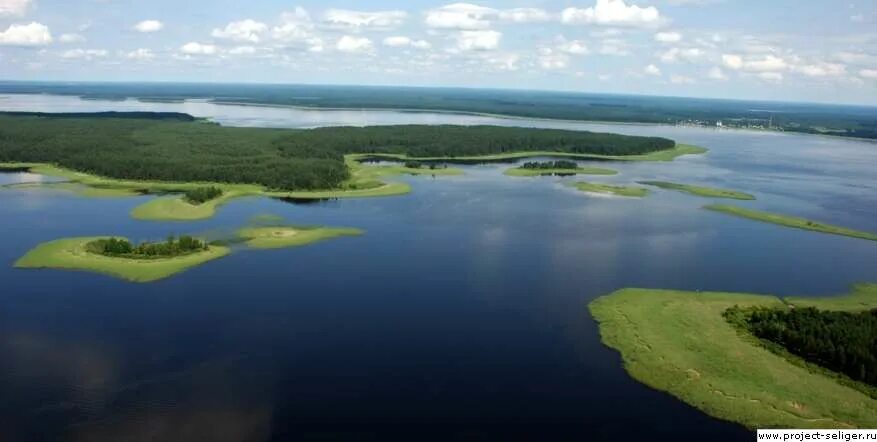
point(845, 342)
point(162, 147)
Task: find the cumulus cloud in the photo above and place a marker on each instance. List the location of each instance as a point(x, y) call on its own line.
point(668, 37)
point(525, 15)
point(612, 13)
point(767, 63)
point(352, 44)
point(573, 47)
point(463, 16)
point(85, 54)
point(821, 69)
point(13, 8)
point(478, 40)
point(244, 31)
point(673, 55)
point(147, 26)
point(33, 34)
point(652, 70)
point(195, 48)
point(296, 30)
point(71, 38)
point(868, 73)
point(141, 54)
point(399, 41)
point(550, 59)
point(615, 47)
point(354, 20)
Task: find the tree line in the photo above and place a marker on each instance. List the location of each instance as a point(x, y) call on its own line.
point(201, 195)
point(559, 164)
point(122, 248)
point(844, 342)
point(166, 149)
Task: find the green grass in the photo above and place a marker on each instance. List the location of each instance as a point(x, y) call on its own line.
point(790, 221)
point(520, 171)
point(71, 254)
point(176, 208)
point(78, 189)
point(280, 236)
point(679, 342)
point(700, 191)
point(662, 155)
point(628, 191)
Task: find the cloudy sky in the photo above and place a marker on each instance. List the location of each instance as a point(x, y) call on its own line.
point(813, 50)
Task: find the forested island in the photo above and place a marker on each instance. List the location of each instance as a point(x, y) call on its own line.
point(164, 148)
point(557, 167)
point(761, 361)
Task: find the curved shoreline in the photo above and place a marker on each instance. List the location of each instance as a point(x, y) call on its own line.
point(679, 342)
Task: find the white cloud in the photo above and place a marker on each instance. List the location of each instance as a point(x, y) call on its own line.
point(464, 16)
point(652, 70)
point(141, 54)
point(149, 26)
point(673, 55)
point(668, 37)
point(856, 57)
point(868, 73)
point(503, 61)
point(195, 48)
point(716, 74)
point(525, 15)
point(85, 54)
point(33, 34)
point(681, 79)
point(574, 47)
point(399, 41)
point(612, 13)
point(478, 40)
point(244, 31)
point(377, 20)
point(296, 31)
point(71, 38)
point(16, 8)
point(821, 69)
point(352, 44)
point(767, 63)
point(551, 60)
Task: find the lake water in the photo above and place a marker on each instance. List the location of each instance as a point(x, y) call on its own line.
point(460, 315)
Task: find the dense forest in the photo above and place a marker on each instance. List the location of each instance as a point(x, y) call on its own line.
point(201, 195)
point(285, 159)
point(559, 164)
point(841, 341)
point(122, 248)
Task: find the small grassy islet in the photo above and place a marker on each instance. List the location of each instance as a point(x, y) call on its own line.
point(790, 221)
point(608, 189)
point(708, 192)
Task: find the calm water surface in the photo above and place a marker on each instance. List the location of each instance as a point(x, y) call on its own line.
point(460, 315)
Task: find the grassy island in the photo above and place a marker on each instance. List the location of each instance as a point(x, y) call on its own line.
point(708, 192)
point(275, 237)
point(790, 221)
point(86, 254)
point(628, 191)
point(679, 342)
point(559, 167)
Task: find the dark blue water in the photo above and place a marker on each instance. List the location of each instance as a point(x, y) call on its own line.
point(460, 315)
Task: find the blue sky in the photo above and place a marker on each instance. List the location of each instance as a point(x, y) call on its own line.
point(814, 50)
